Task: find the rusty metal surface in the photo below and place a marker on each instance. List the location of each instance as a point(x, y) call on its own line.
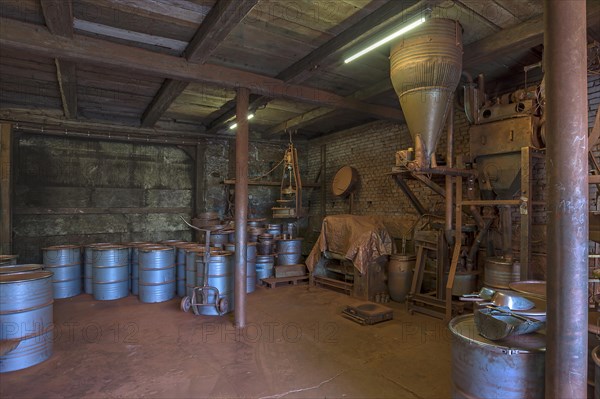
point(568, 197)
point(499, 137)
point(425, 69)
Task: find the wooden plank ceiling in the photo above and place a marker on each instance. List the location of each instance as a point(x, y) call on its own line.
point(174, 64)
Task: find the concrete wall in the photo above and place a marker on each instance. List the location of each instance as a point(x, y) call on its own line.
point(66, 191)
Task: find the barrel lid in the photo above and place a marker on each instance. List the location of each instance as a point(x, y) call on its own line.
point(403, 256)
point(172, 242)
point(8, 257)
point(109, 247)
point(532, 287)
point(221, 253)
point(67, 246)
point(187, 245)
point(26, 276)
point(135, 243)
point(149, 248)
point(98, 244)
point(463, 327)
point(291, 239)
point(20, 268)
point(265, 256)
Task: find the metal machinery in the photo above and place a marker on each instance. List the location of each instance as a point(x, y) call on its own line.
point(505, 134)
point(289, 204)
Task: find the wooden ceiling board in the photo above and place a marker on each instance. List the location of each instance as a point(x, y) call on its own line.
point(23, 10)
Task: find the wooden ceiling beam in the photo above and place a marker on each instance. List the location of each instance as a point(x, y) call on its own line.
point(301, 70)
point(220, 21)
point(522, 36)
point(58, 15)
point(28, 38)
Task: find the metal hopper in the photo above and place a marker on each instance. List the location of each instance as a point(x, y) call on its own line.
point(426, 65)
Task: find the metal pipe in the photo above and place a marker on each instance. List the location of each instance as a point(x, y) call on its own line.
point(449, 185)
point(241, 205)
point(565, 58)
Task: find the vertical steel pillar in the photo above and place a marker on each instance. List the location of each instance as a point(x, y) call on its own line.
point(565, 55)
point(241, 204)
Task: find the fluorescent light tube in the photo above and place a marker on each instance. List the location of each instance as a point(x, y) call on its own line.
point(234, 125)
point(386, 39)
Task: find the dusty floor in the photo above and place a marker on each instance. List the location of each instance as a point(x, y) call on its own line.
point(296, 345)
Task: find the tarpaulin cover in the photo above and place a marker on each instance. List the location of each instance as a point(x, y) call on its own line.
point(360, 239)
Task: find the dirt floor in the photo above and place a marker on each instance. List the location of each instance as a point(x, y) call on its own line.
point(296, 345)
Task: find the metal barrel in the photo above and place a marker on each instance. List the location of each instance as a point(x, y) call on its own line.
point(173, 243)
point(64, 261)
point(275, 229)
point(157, 280)
point(180, 271)
point(190, 268)
point(220, 275)
point(110, 272)
point(87, 266)
point(510, 369)
point(499, 273)
point(219, 239)
point(264, 267)
point(250, 264)
point(289, 252)
point(131, 245)
point(7, 260)
point(10, 269)
point(134, 261)
point(257, 222)
point(26, 318)
point(400, 274)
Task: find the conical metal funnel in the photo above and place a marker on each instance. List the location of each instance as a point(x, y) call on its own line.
point(426, 65)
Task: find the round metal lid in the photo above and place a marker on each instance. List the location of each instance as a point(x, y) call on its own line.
point(4, 258)
point(531, 287)
point(22, 277)
point(149, 248)
point(344, 181)
point(464, 327)
point(20, 268)
point(109, 247)
point(67, 246)
point(98, 244)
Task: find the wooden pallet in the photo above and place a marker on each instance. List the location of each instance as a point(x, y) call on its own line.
point(273, 281)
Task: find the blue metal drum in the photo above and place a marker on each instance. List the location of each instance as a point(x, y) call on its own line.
point(289, 252)
point(219, 239)
point(110, 272)
point(134, 261)
point(87, 266)
point(264, 267)
point(219, 275)
point(181, 269)
point(26, 319)
point(190, 268)
point(64, 261)
point(157, 273)
point(20, 268)
point(250, 264)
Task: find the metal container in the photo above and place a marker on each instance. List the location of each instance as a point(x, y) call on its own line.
point(134, 261)
point(425, 68)
point(220, 275)
point(219, 239)
point(180, 271)
point(191, 254)
point(289, 252)
point(509, 369)
point(250, 264)
point(464, 282)
point(499, 273)
point(257, 222)
point(173, 243)
point(7, 260)
point(265, 244)
point(64, 261)
point(400, 274)
point(157, 273)
point(110, 272)
point(88, 287)
point(264, 267)
point(230, 236)
point(274, 229)
point(26, 318)
point(254, 233)
point(9, 269)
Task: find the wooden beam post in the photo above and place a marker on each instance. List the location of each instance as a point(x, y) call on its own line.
point(5, 188)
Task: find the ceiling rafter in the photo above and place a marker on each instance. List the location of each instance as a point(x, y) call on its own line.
point(301, 70)
point(59, 20)
point(220, 21)
point(33, 39)
point(522, 36)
